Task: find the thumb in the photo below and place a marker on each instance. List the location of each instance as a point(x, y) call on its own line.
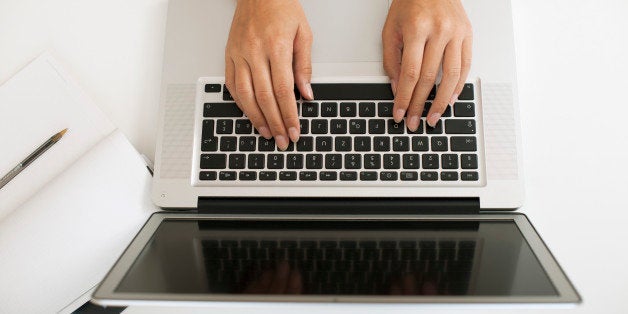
point(303, 61)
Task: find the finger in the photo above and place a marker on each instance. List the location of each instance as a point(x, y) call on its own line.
point(260, 286)
point(246, 98)
point(409, 284)
point(280, 280)
point(295, 283)
point(467, 51)
point(283, 86)
point(429, 288)
point(265, 97)
point(451, 76)
point(431, 63)
point(411, 63)
point(303, 61)
point(392, 48)
point(395, 288)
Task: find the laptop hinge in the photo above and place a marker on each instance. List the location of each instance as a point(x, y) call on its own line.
point(339, 205)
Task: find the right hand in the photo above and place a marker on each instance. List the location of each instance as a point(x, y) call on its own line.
point(268, 52)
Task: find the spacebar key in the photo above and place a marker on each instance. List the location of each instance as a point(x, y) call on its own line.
point(221, 109)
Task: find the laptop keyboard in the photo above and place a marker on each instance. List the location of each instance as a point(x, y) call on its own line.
point(341, 267)
point(342, 140)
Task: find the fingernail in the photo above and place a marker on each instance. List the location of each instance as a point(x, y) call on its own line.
point(393, 86)
point(282, 142)
point(294, 134)
point(398, 116)
point(309, 92)
point(433, 120)
point(453, 100)
point(413, 124)
point(263, 131)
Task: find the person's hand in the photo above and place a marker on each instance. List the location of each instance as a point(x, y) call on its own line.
point(281, 280)
point(417, 36)
point(268, 51)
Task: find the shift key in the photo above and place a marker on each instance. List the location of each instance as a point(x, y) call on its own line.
point(221, 109)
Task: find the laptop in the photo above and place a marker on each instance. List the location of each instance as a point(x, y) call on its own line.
point(360, 209)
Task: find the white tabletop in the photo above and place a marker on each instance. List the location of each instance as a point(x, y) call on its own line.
point(572, 65)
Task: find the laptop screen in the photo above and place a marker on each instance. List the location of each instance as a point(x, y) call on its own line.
point(441, 257)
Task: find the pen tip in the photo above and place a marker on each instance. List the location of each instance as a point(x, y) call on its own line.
point(58, 136)
point(63, 131)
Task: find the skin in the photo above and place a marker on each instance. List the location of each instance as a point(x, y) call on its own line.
point(269, 51)
point(280, 280)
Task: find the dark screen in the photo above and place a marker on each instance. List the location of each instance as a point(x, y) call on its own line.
point(481, 258)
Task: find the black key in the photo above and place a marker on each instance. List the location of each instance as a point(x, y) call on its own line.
point(439, 144)
point(395, 128)
point(221, 110)
point(328, 176)
point(429, 175)
point(463, 144)
point(469, 161)
point(377, 126)
point(469, 176)
point(297, 94)
point(388, 176)
point(401, 144)
point(411, 161)
point(391, 161)
point(323, 144)
point(459, 126)
point(438, 129)
point(307, 176)
point(362, 143)
point(208, 129)
point(309, 109)
point(449, 161)
point(381, 144)
point(384, 109)
point(357, 126)
point(319, 126)
point(247, 176)
point(367, 109)
point(353, 161)
point(314, 161)
point(449, 176)
point(237, 161)
point(464, 109)
point(305, 144)
point(275, 161)
point(347, 109)
point(227, 175)
point(305, 126)
point(294, 161)
point(343, 144)
point(226, 95)
point(430, 161)
point(338, 126)
point(247, 143)
point(426, 109)
point(209, 144)
point(212, 88)
point(420, 144)
point(333, 161)
point(409, 176)
point(287, 175)
point(368, 176)
point(447, 112)
point(224, 126)
point(207, 176)
point(228, 143)
point(265, 145)
point(467, 92)
point(348, 176)
point(243, 126)
point(372, 161)
point(268, 175)
point(432, 94)
point(256, 161)
point(329, 109)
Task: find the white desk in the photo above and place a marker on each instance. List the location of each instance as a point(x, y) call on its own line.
point(572, 63)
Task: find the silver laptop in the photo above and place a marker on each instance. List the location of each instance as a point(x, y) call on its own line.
point(360, 209)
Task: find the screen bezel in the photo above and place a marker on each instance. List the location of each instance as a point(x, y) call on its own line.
point(106, 295)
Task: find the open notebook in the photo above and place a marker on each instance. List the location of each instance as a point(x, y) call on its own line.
point(68, 216)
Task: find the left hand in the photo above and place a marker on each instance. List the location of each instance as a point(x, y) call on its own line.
point(417, 37)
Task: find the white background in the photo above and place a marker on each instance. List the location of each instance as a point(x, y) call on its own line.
point(572, 65)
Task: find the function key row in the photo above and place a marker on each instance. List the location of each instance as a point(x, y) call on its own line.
point(338, 176)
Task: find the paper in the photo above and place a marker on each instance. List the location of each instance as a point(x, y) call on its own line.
point(36, 103)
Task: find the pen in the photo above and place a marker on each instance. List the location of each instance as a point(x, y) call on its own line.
point(30, 158)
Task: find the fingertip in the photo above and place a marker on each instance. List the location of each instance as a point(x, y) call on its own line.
point(294, 134)
point(433, 119)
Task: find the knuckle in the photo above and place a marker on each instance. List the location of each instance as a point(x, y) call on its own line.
point(264, 97)
point(276, 125)
point(411, 72)
point(283, 90)
point(428, 77)
point(446, 26)
point(453, 72)
point(304, 68)
point(243, 90)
